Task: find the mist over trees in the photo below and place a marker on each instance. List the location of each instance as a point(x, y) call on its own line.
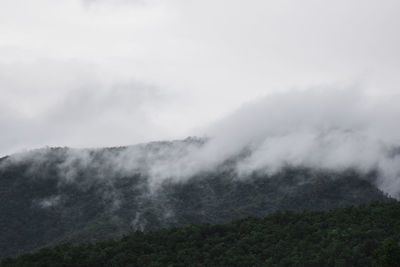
point(292, 108)
point(59, 194)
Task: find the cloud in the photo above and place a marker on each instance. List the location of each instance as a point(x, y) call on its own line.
point(61, 105)
point(91, 3)
point(122, 72)
point(335, 130)
point(214, 54)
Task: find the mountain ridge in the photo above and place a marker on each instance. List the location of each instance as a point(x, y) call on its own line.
point(57, 194)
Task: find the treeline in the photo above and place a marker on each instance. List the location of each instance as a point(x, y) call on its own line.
point(38, 208)
point(366, 235)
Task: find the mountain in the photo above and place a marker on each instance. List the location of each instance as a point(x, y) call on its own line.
point(55, 195)
point(354, 236)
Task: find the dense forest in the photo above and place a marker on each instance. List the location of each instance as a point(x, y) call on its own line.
point(367, 235)
point(50, 197)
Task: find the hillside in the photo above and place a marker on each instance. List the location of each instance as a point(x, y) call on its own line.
point(367, 235)
point(48, 196)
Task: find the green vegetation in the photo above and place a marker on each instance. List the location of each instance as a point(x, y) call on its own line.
point(367, 235)
point(41, 205)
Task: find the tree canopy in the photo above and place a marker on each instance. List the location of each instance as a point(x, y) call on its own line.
point(366, 235)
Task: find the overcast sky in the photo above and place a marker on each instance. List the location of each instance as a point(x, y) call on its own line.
point(117, 72)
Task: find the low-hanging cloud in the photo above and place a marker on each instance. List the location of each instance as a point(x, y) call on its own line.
point(327, 129)
point(336, 130)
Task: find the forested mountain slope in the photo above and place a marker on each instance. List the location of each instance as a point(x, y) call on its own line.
point(59, 194)
point(367, 235)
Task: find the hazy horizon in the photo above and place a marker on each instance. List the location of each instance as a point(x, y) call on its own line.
point(96, 73)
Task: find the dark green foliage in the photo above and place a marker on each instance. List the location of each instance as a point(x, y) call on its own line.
point(98, 204)
point(367, 235)
point(389, 254)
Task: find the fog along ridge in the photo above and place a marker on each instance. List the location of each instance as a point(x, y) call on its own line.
point(311, 149)
point(333, 130)
point(53, 195)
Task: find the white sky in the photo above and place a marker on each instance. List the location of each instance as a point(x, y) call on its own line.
point(118, 72)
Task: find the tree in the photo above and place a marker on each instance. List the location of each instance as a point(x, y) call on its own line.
point(389, 254)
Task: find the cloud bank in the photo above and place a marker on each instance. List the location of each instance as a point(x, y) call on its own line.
point(335, 130)
point(180, 63)
point(331, 129)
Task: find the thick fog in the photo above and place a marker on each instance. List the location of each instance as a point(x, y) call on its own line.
point(332, 129)
point(335, 129)
point(272, 83)
point(94, 73)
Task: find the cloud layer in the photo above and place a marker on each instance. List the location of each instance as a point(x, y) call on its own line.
point(332, 129)
point(176, 66)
